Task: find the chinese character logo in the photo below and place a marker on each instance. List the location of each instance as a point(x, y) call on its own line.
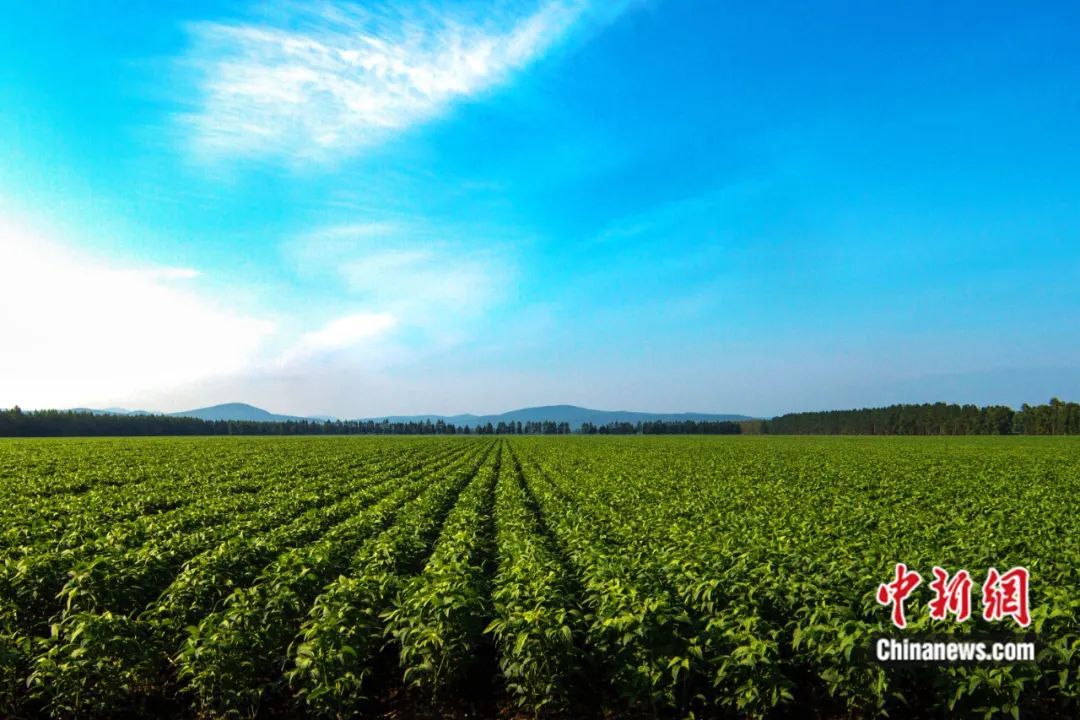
point(896, 592)
point(1006, 595)
point(951, 596)
point(1003, 595)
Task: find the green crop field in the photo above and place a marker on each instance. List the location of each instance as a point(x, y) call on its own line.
point(574, 576)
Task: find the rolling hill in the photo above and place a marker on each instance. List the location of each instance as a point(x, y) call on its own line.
point(571, 414)
point(227, 411)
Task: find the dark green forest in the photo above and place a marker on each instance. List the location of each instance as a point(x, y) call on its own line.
point(1054, 418)
point(659, 427)
point(67, 423)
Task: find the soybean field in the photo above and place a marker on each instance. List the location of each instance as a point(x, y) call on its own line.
point(584, 577)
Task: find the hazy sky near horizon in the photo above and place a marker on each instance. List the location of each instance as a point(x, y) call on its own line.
point(374, 208)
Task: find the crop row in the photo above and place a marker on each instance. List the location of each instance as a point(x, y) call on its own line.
point(73, 620)
point(667, 577)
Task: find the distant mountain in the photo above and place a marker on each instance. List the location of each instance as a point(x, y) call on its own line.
point(228, 411)
point(110, 411)
point(571, 414)
point(238, 411)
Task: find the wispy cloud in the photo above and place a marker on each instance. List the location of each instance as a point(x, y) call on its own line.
point(442, 284)
point(343, 333)
point(424, 277)
point(318, 83)
point(419, 273)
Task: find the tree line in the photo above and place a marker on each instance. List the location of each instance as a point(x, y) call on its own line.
point(664, 427)
point(532, 427)
point(1054, 418)
point(68, 423)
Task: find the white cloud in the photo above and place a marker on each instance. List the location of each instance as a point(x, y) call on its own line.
point(423, 278)
point(341, 334)
point(426, 277)
point(78, 330)
point(329, 80)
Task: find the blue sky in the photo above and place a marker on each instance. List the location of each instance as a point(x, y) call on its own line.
point(386, 208)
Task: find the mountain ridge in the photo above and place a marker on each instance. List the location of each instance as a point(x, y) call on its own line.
point(572, 414)
point(224, 411)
